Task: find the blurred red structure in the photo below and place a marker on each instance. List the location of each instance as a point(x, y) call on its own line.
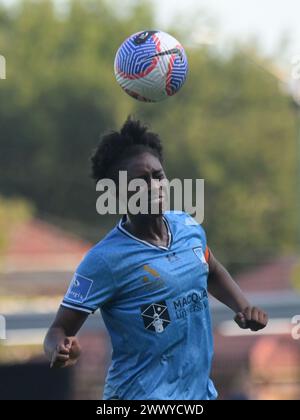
point(38, 264)
point(263, 365)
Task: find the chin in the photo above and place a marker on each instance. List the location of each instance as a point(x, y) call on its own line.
point(159, 209)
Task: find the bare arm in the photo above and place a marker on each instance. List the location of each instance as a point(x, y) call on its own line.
point(222, 286)
point(61, 346)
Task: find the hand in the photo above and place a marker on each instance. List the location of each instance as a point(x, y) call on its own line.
point(251, 317)
point(66, 353)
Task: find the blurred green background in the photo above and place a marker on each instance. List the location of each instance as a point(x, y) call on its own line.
point(231, 124)
point(60, 94)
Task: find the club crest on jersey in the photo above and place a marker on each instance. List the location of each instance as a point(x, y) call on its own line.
point(156, 316)
point(79, 288)
point(198, 251)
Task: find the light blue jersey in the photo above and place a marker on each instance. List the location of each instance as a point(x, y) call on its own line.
point(154, 303)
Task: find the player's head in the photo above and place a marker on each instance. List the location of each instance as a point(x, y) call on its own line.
point(134, 149)
point(118, 149)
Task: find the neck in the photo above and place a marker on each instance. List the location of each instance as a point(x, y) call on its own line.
point(146, 226)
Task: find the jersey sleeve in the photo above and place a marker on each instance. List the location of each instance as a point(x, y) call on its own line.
point(204, 245)
point(190, 221)
point(91, 286)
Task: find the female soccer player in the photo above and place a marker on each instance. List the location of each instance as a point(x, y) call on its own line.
point(149, 276)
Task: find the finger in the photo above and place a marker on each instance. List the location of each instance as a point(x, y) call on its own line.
point(68, 343)
point(74, 352)
point(255, 314)
point(262, 319)
point(62, 358)
point(62, 349)
point(60, 365)
point(58, 358)
point(247, 312)
point(71, 362)
point(67, 363)
point(240, 316)
point(240, 319)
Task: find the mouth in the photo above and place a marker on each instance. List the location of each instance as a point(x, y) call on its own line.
point(156, 200)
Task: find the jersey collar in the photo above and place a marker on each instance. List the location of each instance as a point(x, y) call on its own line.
point(159, 247)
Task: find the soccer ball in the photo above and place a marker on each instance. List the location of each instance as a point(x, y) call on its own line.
point(151, 66)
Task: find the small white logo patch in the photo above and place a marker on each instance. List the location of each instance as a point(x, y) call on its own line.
point(79, 288)
point(199, 253)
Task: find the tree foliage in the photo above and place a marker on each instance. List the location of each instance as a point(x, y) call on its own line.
point(230, 125)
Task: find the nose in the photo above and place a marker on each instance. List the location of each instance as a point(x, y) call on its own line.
point(154, 183)
point(154, 187)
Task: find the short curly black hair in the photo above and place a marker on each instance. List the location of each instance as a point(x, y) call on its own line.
point(133, 138)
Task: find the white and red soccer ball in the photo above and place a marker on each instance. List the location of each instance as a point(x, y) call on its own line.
point(151, 66)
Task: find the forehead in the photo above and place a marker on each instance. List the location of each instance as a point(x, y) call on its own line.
point(141, 163)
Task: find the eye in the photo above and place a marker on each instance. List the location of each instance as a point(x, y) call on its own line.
point(144, 177)
point(158, 175)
